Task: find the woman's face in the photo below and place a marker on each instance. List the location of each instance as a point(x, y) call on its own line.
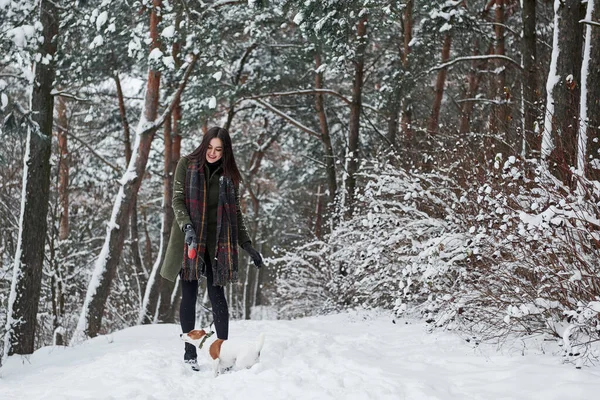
point(215, 150)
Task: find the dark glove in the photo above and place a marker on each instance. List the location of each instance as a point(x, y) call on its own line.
point(255, 255)
point(190, 234)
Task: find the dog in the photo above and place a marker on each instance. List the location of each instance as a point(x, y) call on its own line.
point(226, 354)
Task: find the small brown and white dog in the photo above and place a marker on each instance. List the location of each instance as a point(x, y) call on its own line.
point(226, 354)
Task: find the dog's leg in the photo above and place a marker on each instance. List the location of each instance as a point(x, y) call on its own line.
point(216, 367)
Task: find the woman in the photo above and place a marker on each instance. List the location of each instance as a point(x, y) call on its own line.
point(209, 221)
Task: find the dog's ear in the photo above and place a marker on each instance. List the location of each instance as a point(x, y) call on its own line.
point(196, 334)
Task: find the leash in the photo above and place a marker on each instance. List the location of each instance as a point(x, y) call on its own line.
point(204, 339)
point(210, 326)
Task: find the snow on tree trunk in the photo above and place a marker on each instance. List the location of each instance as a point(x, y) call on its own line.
point(559, 141)
point(152, 292)
point(133, 224)
point(355, 110)
point(29, 257)
point(105, 268)
point(589, 113)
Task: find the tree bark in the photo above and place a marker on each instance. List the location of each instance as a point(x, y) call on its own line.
point(29, 257)
point(530, 80)
point(156, 283)
point(474, 80)
point(168, 308)
point(355, 110)
point(133, 223)
point(173, 142)
point(439, 87)
point(559, 143)
point(325, 136)
point(124, 121)
point(106, 266)
point(499, 114)
point(406, 120)
point(236, 81)
point(63, 168)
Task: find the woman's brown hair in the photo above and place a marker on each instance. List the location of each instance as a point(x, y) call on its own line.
point(230, 168)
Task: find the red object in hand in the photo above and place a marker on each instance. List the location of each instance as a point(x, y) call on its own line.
point(192, 252)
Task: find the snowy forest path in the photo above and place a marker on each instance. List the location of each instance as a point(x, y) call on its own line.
point(356, 355)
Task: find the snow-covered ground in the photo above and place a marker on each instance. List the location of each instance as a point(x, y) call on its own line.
point(356, 355)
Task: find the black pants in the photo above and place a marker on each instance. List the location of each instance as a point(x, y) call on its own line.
point(187, 309)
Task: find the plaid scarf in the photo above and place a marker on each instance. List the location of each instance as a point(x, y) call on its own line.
point(226, 254)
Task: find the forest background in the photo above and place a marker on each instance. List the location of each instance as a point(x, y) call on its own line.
point(437, 158)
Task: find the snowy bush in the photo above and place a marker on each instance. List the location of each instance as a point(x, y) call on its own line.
point(534, 258)
point(400, 248)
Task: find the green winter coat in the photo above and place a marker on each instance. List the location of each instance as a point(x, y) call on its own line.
point(174, 255)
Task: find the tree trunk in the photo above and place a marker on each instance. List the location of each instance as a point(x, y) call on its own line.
point(63, 169)
point(589, 146)
point(56, 287)
point(155, 282)
point(473, 80)
point(325, 136)
point(124, 121)
point(29, 257)
point(318, 215)
point(559, 141)
point(133, 223)
point(439, 87)
point(90, 319)
point(355, 110)
point(236, 81)
point(174, 300)
point(529, 79)
point(406, 120)
point(499, 114)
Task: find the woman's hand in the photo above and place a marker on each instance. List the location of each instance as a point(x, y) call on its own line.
point(190, 234)
point(255, 255)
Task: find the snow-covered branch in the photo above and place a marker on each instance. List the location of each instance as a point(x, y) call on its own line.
point(283, 115)
point(305, 93)
point(473, 58)
point(104, 160)
point(68, 95)
point(300, 93)
point(589, 22)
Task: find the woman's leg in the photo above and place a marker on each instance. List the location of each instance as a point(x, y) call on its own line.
point(216, 294)
point(187, 314)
